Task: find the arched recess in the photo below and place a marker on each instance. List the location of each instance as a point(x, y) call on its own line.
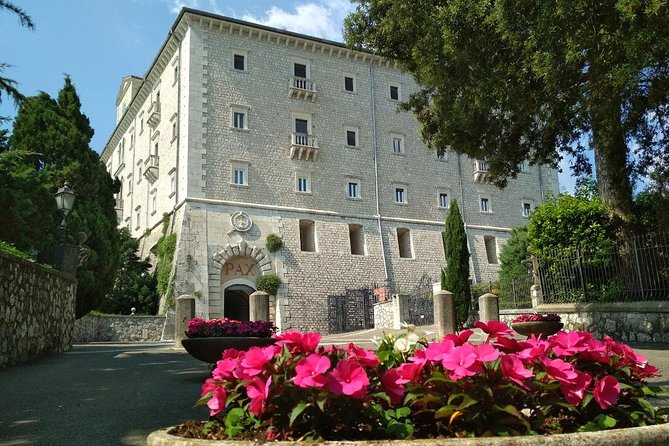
point(243, 249)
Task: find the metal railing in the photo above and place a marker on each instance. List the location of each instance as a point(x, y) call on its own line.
point(633, 270)
point(513, 293)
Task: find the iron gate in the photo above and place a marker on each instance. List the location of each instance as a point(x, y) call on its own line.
point(420, 309)
point(351, 311)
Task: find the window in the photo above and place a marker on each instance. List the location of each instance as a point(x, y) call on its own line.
point(300, 70)
point(485, 204)
point(173, 182)
point(404, 243)
point(349, 83)
point(239, 120)
point(527, 208)
point(443, 200)
point(239, 61)
point(141, 126)
point(174, 131)
point(353, 189)
point(398, 143)
point(154, 202)
point(395, 92)
point(522, 166)
point(357, 240)
point(240, 173)
point(138, 215)
point(176, 74)
point(303, 182)
point(129, 187)
point(491, 249)
point(132, 140)
point(155, 149)
point(400, 195)
point(307, 236)
point(351, 138)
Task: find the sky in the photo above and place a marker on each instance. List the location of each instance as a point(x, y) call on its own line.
point(97, 42)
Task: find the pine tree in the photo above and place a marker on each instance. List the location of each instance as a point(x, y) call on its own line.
point(455, 276)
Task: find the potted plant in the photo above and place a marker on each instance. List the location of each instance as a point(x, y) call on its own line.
point(207, 339)
point(300, 390)
point(537, 324)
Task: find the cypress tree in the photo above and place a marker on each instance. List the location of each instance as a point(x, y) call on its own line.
point(455, 276)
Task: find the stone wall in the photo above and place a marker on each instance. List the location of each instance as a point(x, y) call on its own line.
point(384, 314)
point(115, 328)
point(36, 311)
point(627, 322)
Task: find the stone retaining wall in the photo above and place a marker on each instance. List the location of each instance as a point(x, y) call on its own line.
point(384, 314)
point(117, 328)
point(627, 322)
point(36, 310)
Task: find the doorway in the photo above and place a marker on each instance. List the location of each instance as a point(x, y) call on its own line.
point(236, 302)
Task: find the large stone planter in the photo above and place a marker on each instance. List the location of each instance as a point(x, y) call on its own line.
point(209, 350)
point(638, 436)
point(545, 328)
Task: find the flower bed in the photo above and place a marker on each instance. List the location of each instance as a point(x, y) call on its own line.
point(296, 389)
point(527, 317)
point(200, 328)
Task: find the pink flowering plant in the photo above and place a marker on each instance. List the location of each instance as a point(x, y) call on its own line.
point(297, 389)
point(200, 328)
point(527, 317)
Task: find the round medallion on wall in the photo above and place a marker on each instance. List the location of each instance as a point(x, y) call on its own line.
point(241, 221)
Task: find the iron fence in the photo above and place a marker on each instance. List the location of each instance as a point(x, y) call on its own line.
point(633, 270)
point(513, 293)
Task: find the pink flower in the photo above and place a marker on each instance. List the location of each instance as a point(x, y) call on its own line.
point(436, 351)
point(532, 349)
point(258, 391)
point(408, 372)
point(366, 358)
point(418, 357)
point(560, 370)
point(507, 345)
point(256, 358)
point(224, 369)
point(348, 378)
point(391, 384)
point(271, 434)
point(513, 369)
point(567, 343)
point(486, 353)
point(218, 396)
point(596, 352)
point(462, 361)
point(310, 371)
point(460, 338)
point(493, 328)
point(298, 342)
point(575, 392)
point(606, 391)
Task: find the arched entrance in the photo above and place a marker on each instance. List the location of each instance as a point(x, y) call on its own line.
point(236, 302)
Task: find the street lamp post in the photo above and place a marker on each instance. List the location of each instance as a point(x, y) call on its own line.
point(65, 197)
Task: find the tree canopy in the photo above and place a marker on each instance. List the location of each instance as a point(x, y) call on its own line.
point(509, 80)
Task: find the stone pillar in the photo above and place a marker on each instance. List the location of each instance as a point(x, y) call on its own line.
point(444, 313)
point(537, 296)
point(488, 307)
point(259, 306)
point(185, 311)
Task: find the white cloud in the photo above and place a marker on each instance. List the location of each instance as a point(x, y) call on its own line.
point(321, 19)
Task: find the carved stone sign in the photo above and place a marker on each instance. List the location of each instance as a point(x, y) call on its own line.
point(240, 267)
point(241, 221)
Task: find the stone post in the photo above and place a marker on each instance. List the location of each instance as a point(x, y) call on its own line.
point(489, 307)
point(185, 311)
point(444, 313)
point(537, 296)
point(259, 306)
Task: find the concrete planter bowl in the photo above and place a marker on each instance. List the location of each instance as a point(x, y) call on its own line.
point(657, 435)
point(209, 350)
point(545, 328)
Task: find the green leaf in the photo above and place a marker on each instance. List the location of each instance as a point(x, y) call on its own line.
point(605, 421)
point(402, 412)
point(297, 410)
point(320, 402)
point(233, 421)
point(586, 399)
point(467, 401)
point(646, 406)
point(204, 400)
point(382, 395)
point(445, 411)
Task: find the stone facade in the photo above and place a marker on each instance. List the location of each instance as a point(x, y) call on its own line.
point(115, 328)
point(36, 311)
point(201, 94)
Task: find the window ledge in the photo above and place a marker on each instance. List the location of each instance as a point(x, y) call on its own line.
point(350, 92)
point(407, 258)
point(352, 147)
point(402, 204)
point(238, 185)
point(153, 213)
point(443, 207)
point(237, 70)
point(171, 194)
point(239, 129)
point(402, 153)
point(303, 193)
point(173, 139)
point(354, 198)
point(486, 212)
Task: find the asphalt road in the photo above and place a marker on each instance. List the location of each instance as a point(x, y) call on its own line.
point(116, 394)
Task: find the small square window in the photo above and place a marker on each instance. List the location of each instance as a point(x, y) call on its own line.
point(351, 138)
point(353, 189)
point(240, 174)
point(400, 195)
point(300, 70)
point(349, 85)
point(485, 204)
point(398, 144)
point(395, 92)
point(443, 200)
point(239, 62)
point(527, 208)
point(239, 119)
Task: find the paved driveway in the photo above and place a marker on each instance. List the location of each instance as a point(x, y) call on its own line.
point(116, 394)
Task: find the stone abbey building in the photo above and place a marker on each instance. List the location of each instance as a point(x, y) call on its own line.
point(238, 131)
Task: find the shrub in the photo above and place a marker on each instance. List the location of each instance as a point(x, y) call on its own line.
point(268, 283)
point(273, 243)
point(455, 276)
point(166, 247)
point(297, 389)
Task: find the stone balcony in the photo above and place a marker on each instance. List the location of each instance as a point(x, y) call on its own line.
point(154, 115)
point(151, 168)
point(301, 88)
point(481, 171)
point(303, 147)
